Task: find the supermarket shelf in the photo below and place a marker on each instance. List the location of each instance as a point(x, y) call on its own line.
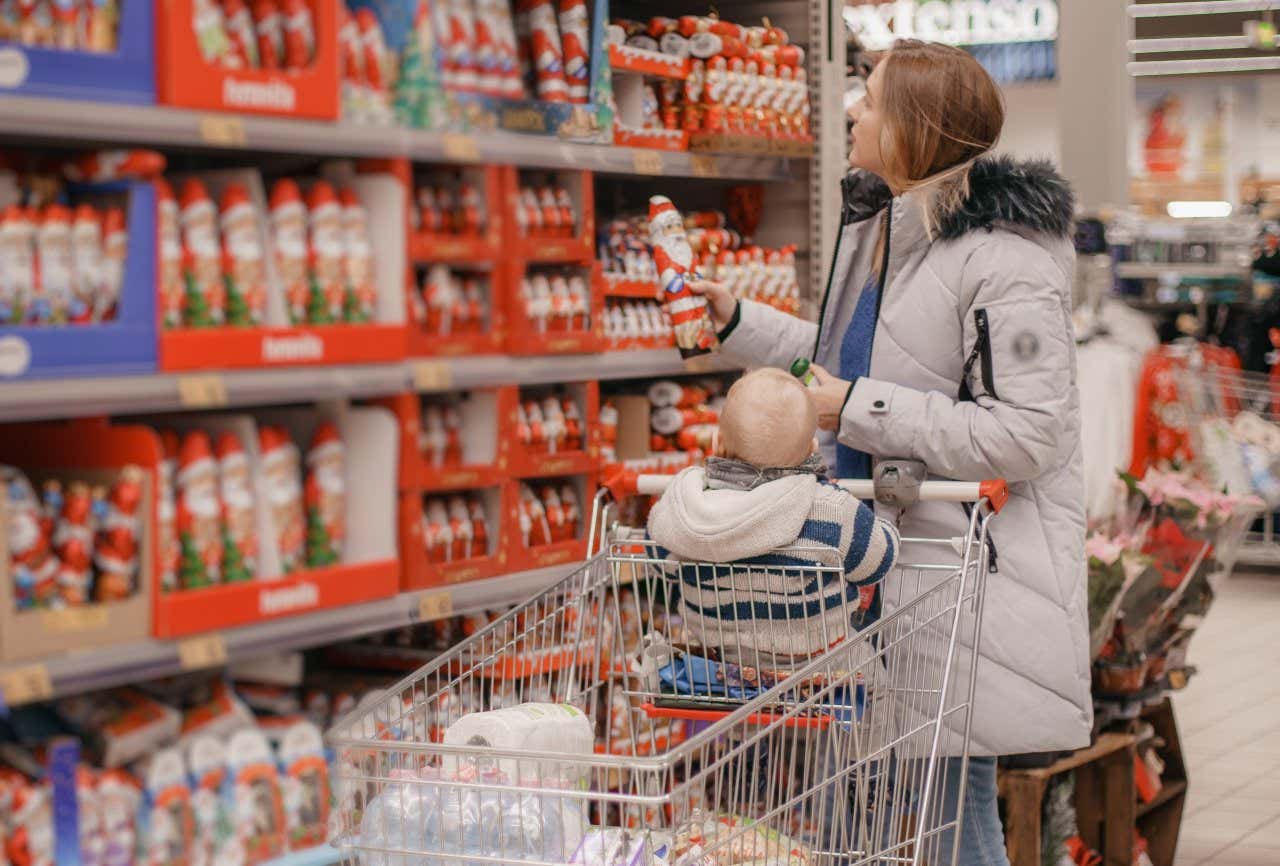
point(61, 120)
point(161, 392)
point(321, 855)
point(1144, 270)
point(89, 670)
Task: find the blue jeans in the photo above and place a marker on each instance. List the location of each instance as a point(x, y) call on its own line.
point(981, 834)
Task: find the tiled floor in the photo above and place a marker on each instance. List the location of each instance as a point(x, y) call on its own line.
point(1229, 719)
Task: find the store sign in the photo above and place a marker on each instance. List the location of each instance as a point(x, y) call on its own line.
point(1013, 39)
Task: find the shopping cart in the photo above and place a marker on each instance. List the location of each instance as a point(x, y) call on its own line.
point(833, 756)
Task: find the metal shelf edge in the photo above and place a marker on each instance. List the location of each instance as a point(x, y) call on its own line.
point(165, 126)
point(39, 399)
point(105, 667)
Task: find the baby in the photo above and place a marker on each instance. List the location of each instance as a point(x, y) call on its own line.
point(764, 507)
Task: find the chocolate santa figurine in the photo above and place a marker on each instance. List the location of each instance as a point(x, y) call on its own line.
point(479, 528)
point(86, 256)
point(202, 257)
point(17, 264)
point(361, 293)
point(270, 34)
point(282, 485)
point(172, 293)
point(169, 550)
point(289, 247)
point(242, 258)
point(54, 288)
point(694, 332)
point(32, 563)
point(115, 248)
point(73, 543)
point(326, 253)
point(115, 551)
point(198, 513)
point(541, 33)
point(239, 531)
point(326, 497)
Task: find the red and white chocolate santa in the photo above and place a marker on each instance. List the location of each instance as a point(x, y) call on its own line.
point(673, 257)
point(541, 34)
point(198, 512)
point(239, 515)
point(576, 40)
point(327, 488)
point(299, 34)
point(282, 486)
point(170, 551)
point(270, 34)
point(289, 247)
point(86, 256)
point(326, 251)
point(358, 263)
point(34, 567)
point(202, 255)
point(17, 263)
point(55, 283)
point(115, 249)
point(243, 257)
point(172, 293)
point(116, 544)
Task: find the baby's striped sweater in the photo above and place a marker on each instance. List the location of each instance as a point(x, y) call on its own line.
point(792, 560)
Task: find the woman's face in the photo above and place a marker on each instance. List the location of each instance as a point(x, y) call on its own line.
point(868, 121)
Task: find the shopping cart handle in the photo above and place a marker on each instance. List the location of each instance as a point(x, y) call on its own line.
point(995, 491)
point(622, 483)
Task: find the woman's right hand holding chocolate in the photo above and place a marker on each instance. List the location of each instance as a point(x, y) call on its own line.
point(720, 301)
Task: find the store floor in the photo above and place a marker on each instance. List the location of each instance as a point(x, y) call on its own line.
point(1229, 719)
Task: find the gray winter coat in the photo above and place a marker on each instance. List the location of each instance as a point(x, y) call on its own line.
point(973, 372)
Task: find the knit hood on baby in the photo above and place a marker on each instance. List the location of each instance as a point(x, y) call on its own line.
point(725, 524)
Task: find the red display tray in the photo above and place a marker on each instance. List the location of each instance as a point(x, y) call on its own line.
point(419, 573)
point(238, 348)
point(185, 78)
point(453, 249)
point(627, 58)
point(229, 605)
point(654, 139)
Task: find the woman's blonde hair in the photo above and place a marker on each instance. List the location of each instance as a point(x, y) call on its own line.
point(941, 112)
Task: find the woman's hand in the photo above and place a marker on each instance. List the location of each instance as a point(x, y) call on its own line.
point(720, 301)
point(829, 395)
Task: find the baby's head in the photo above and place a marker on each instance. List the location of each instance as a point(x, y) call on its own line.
point(768, 420)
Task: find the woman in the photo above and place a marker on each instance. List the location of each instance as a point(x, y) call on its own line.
point(946, 331)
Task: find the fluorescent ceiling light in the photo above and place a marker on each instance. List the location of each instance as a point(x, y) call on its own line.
point(1199, 209)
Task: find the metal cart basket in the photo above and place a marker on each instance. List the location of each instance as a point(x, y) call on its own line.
point(822, 747)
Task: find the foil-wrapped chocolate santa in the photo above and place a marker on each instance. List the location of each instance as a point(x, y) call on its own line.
point(694, 332)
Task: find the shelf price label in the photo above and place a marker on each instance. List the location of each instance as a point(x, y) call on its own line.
point(25, 685)
point(431, 375)
point(435, 605)
point(460, 147)
point(202, 392)
point(205, 651)
point(223, 130)
point(704, 165)
point(647, 162)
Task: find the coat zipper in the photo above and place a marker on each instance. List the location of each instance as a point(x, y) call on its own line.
point(983, 345)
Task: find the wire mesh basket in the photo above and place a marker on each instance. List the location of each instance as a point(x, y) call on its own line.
point(813, 749)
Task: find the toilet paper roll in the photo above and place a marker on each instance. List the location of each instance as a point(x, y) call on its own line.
point(532, 727)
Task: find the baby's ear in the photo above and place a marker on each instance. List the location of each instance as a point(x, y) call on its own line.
point(813, 445)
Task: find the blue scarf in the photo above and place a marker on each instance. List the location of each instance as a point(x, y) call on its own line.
point(855, 361)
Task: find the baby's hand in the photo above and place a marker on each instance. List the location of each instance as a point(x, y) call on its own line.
point(720, 301)
point(829, 394)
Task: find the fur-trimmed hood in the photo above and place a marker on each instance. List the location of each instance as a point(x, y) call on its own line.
point(1003, 192)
